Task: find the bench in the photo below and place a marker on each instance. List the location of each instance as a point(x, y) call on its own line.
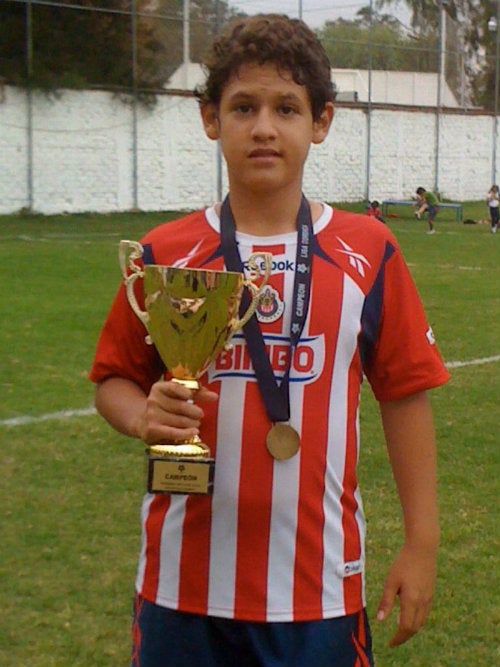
point(411, 202)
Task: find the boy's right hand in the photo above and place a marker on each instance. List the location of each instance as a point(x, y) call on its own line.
point(172, 413)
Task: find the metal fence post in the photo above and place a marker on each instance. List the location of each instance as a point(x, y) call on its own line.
point(219, 151)
point(135, 169)
point(369, 112)
point(494, 26)
point(29, 101)
point(440, 81)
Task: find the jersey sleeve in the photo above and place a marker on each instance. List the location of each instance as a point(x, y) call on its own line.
point(402, 357)
point(122, 350)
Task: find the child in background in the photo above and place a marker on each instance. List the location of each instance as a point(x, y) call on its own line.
point(373, 209)
point(429, 203)
point(493, 201)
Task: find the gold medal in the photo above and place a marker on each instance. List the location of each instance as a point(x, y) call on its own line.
point(282, 441)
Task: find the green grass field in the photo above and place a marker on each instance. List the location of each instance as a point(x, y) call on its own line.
point(71, 487)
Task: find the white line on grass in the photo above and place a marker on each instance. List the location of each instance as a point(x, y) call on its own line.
point(472, 362)
point(23, 420)
point(59, 237)
point(61, 414)
point(449, 266)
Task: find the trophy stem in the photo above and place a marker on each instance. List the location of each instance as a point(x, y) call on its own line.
point(190, 383)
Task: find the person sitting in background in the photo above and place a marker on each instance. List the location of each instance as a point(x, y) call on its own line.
point(493, 201)
point(373, 209)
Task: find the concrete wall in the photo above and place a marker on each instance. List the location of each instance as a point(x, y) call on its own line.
point(83, 156)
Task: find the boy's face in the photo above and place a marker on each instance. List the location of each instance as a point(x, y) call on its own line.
point(265, 126)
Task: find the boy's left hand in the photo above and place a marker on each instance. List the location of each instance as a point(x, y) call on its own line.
point(412, 577)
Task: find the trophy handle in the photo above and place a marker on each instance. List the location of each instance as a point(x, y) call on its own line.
point(127, 253)
point(255, 272)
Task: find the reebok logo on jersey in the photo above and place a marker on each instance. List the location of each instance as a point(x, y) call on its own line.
point(356, 259)
point(307, 362)
point(182, 262)
point(277, 265)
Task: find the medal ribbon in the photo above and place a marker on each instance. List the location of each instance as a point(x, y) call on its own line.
point(276, 396)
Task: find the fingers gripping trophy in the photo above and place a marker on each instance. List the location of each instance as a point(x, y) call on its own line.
point(190, 316)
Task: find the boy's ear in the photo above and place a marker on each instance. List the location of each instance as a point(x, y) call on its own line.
point(210, 119)
point(322, 125)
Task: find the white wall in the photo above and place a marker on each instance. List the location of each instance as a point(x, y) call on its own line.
point(83, 155)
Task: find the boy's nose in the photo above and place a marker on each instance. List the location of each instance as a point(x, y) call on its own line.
point(264, 125)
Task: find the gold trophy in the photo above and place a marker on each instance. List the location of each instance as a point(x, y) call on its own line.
point(190, 317)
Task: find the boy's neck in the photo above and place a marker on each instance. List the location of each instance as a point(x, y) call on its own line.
point(267, 216)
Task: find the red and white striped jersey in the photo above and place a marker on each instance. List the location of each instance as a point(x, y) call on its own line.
point(280, 540)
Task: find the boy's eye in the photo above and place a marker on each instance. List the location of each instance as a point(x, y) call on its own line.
point(243, 108)
point(286, 110)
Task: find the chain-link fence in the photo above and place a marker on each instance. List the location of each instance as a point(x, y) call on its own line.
point(416, 54)
point(142, 46)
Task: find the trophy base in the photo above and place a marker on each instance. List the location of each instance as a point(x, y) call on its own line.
point(171, 471)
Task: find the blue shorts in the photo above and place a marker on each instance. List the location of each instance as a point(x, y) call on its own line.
point(432, 211)
point(167, 638)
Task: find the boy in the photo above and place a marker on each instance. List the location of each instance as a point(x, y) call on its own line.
point(269, 570)
point(427, 201)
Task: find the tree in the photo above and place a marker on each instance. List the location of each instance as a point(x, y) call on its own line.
point(380, 42)
point(88, 43)
point(472, 42)
point(481, 46)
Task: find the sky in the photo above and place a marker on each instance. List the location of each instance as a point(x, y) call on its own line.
point(314, 12)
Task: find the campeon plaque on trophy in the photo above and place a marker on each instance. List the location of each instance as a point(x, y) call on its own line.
point(190, 316)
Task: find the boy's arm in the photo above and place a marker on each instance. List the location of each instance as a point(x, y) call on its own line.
point(165, 415)
point(421, 205)
point(409, 432)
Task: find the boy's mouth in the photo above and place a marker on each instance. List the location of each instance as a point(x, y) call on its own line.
point(264, 153)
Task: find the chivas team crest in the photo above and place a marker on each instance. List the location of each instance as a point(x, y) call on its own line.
point(270, 307)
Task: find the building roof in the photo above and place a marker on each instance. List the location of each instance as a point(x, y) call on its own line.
point(389, 87)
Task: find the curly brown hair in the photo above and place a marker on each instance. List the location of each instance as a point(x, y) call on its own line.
point(269, 38)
